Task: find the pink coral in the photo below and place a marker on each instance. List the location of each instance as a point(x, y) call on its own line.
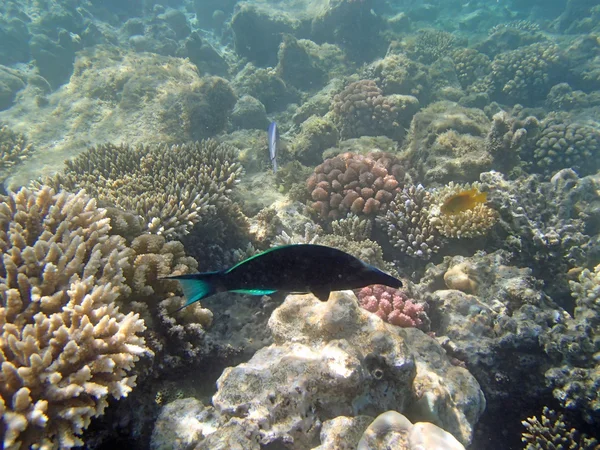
point(392, 305)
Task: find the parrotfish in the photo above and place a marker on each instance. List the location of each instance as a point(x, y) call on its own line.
point(272, 138)
point(297, 268)
point(463, 201)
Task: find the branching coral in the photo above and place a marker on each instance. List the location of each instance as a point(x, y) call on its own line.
point(361, 109)
point(393, 306)
point(65, 347)
point(431, 44)
point(363, 185)
point(551, 432)
point(407, 223)
point(172, 188)
point(13, 149)
point(353, 227)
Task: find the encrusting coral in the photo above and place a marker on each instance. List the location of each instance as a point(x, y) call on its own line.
point(65, 347)
point(172, 188)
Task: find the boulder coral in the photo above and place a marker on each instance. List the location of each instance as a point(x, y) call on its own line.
point(65, 347)
point(361, 109)
point(363, 185)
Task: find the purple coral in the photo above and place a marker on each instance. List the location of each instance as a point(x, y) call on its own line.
point(392, 305)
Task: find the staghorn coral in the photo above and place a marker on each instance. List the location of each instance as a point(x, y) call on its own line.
point(172, 188)
point(65, 347)
point(363, 185)
point(13, 149)
point(550, 432)
point(352, 227)
point(469, 223)
point(361, 109)
point(575, 344)
point(562, 144)
point(408, 226)
point(525, 75)
point(393, 306)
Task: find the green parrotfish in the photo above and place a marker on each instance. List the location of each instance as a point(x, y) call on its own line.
point(297, 268)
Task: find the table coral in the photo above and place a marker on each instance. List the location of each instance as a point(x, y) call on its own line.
point(392, 306)
point(65, 347)
point(363, 185)
point(172, 188)
point(361, 109)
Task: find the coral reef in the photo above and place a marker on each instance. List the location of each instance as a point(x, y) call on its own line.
point(349, 363)
point(429, 45)
point(470, 65)
point(316, 135)
point(526, 74)
point(408, 226)
point(392, 306)
point(249, 113)
point(352, 227)
point(393, 430)
point(361, 109)
point(574, 343)
point(398, 74)
point(172, 188)
point(265, 85)
point(363, 185)
point(467, 223)
point(297, 66)
point(13, 149)
point(446, 143)
point(551, 431)
point(546, 231)
point(562, 143)
point(65, 346)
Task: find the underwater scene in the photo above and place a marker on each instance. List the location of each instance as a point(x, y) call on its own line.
point(300, 224)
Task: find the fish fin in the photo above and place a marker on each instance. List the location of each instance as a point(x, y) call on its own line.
point(322, 293)
point(254, 291)
point(197, 286)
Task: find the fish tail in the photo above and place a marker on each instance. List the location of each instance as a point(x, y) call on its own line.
point(197, 286)
point(481, 197)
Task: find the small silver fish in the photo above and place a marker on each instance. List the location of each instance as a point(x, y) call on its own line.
point(272, 138)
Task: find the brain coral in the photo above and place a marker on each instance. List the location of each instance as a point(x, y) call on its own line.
point(172, 188)
point(64, 346)
point(363, 185)
point(361, 109)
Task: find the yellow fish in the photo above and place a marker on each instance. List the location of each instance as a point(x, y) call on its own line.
point(463, 201)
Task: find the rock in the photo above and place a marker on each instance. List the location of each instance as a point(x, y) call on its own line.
point(249, 113)
point(10, 83)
